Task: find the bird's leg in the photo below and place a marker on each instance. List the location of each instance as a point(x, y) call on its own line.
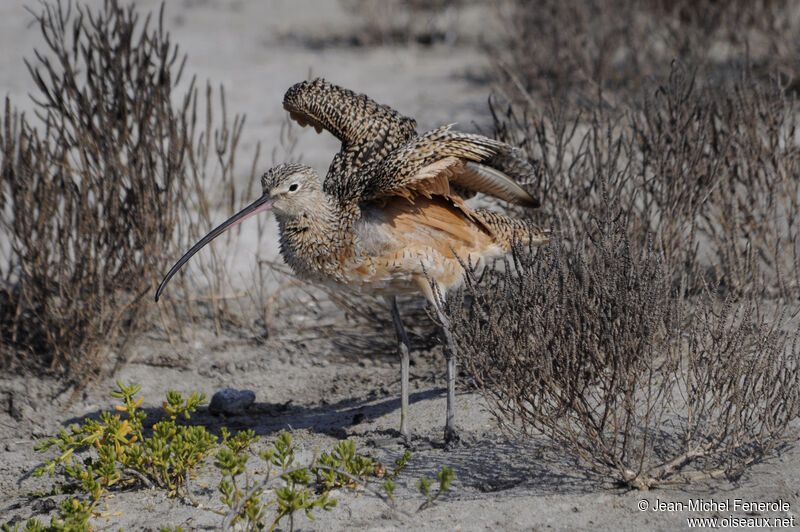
point(436, 299)
point(450, 433)
point(403, 346)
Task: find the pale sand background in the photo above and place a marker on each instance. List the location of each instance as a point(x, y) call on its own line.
point(256, 50)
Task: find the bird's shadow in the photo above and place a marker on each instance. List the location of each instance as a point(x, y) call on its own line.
point(485, 464)
point(333, 419)
point(266, 418)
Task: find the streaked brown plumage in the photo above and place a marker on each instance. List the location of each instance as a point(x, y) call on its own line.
point(390, 213)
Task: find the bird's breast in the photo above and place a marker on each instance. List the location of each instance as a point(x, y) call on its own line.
point(390, 249)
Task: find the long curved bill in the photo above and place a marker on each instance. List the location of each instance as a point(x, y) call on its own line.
point(264, 203)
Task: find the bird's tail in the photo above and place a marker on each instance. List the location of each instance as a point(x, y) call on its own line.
point(507, 230)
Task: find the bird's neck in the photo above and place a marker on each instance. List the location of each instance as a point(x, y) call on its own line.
point(316, 242)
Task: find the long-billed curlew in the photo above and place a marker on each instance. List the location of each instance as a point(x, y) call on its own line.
point(390, 214)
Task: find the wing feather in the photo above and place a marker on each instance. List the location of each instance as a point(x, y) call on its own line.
point(381, 155)
point(463, 161)
point(362, 125)
point(487, 180)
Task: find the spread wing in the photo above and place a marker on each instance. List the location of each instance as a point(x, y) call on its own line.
point(369, 132)
point(381, 155)
point(451, 164)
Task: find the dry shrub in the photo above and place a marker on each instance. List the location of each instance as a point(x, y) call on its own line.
point(94, 197)
point(578, 47)
point(587, 342)
point(654, 337)
point(401, 22)
point(204, 289)
point(709, 171)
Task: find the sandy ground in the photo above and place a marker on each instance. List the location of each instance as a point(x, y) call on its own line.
point(308, 382)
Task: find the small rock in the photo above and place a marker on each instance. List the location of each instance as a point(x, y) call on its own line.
point(231, 402)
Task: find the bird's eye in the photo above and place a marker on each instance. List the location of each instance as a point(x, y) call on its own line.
point(293, 187)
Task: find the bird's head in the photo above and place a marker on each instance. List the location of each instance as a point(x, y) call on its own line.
point(291, 190)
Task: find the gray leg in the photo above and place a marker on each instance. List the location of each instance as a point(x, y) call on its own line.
point(450, 432)
point(403, 346)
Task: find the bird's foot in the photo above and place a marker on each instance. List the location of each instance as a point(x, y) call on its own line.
point(452, 438)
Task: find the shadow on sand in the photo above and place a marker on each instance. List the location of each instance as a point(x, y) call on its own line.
point(486, 464)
